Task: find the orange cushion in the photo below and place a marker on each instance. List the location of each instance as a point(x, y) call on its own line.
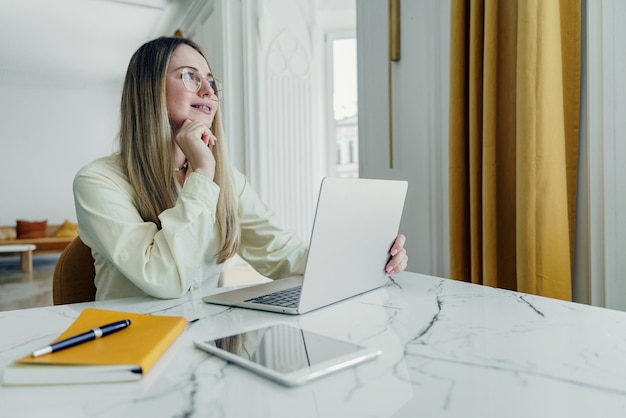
point(28, 229)
point(68, 229)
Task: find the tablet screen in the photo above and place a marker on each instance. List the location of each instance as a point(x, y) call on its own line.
point(289, 352)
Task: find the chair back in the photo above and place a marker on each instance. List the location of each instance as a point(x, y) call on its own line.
point(74, 273)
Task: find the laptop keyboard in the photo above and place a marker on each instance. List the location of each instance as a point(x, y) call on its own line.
point(288, 298)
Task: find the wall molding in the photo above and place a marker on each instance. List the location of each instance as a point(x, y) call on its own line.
point(600, 272)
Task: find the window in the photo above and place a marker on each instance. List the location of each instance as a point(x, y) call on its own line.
point(343, 124)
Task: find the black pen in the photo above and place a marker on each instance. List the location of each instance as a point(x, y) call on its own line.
point(92, 334)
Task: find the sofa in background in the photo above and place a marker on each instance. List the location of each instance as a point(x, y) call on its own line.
point(51, 238)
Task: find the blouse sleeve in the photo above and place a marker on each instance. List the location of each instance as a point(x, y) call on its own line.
point(265, 245)
point(163, 263)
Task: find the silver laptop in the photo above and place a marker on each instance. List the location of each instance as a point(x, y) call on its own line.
point(356, 223)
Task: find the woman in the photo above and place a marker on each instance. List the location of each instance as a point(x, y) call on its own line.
point(163, 214)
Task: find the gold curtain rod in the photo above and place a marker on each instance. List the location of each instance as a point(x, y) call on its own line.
point(394, 56)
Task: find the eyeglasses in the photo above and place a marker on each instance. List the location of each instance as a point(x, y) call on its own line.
point(193, 81)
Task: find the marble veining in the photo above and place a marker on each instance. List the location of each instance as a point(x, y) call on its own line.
point(449, 349)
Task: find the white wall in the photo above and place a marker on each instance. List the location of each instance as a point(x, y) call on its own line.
point(420, 124)
point(50, 127)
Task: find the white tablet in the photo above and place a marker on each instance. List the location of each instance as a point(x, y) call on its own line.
point(287, 354)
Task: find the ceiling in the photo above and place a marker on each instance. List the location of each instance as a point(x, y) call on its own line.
point(85, 38)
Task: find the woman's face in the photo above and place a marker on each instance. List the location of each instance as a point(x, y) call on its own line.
point(183, 104)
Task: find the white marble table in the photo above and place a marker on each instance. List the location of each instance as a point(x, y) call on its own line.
point(449, 349)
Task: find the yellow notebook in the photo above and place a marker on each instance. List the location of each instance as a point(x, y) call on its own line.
point(124, 355)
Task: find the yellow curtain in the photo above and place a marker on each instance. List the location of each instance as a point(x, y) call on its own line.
point(514, 112)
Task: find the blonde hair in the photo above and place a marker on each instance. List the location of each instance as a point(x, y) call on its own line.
point(146, 143)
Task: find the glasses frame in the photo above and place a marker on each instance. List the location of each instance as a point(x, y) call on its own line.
point(187, 74)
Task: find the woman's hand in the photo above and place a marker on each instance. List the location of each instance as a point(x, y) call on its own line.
point(194, 139)
point(399, 259)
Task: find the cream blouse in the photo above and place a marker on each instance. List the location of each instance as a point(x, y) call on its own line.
point(133, 257)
